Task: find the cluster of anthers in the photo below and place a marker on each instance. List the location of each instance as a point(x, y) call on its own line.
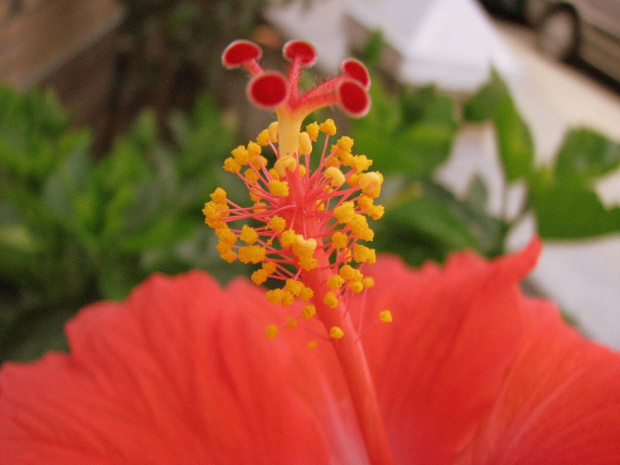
point(308, 216)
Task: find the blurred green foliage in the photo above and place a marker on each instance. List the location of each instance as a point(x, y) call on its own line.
point(74, 230)
point(410, 135)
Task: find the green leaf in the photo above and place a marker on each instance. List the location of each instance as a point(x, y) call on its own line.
point(568, 209)
point(481, 106)
point(586, 154)
point(514, 140)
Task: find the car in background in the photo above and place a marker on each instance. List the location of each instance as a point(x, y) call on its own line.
point(514, 8)
point(589, 29)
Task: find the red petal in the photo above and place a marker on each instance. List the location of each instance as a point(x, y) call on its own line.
point(240, 51)
point(180, 373)
point(560, 401)
point(439, 366)
point(268, 89)
point(354, 98)
point(300, 50)
point(355, 69)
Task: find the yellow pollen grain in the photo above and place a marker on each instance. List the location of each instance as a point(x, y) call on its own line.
point(258, 277)
point(306, 294)
point(287, 298)
point(231, 165)
point(218, 195)
point(308, 311)
point(313, 131)
point(363, 254)
point(294, 286)
point(305, 145)
point(263, 138)
point(345, 143)
point(302, 170)
point(336, 332)
point(248, 234)
point(287, 239)
point(278, 188)
point(368, 282)
point(312, 345)
point(226, 236)
point(335, 282)
point(345, 212)
point(339, 240)
point(277, 223)
point(252, 254)
point(335, 176)
point(241, 155)
point(356, 286)
point(385, 316)
point(360, 229)
point(273, 132)
point(274, 295)
point(350, 274)
point(360, 163)
point(250, 175)
point(328, 127)
point(284, 164)
point(370, 183)
point(291, 323)
point(229, 256)
point(271, 332)
point(330, 300)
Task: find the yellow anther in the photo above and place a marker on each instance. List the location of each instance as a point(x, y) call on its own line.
point(258, 161)
point(363, 254)
point(213, 215)
point(277, 223)
point(360, 163)
point(229, 256)
point(263, 137)
point(226, 236)
point(302, 170)
point(385, 316)
point(258, 277)
point(218, 195)
point(376, 212)
point(335, 176)
point(356, 286)
point(250, 175)
point(304, 247)
point(306, 294)
point(345, 144)
point(354, 180)
point(241, 155)
point(274, 295)
point(259, 206)
point(231, 165)
point(273, 132)
point(254, 150)
point(335, 282)
point(287, 239)
point(284, 164)
point(274, 174)
point(308, 263)
point(350, 274)
point(335, 332)
point(271, 332)
point(328, 127)
point(339, 240)
point(308, 311)
point(291, 323)
point(248, 234)
point(330, 300)
point(278, 188)
point(313, 131)
point(294, 286)
point(370, 183)
point(269, 267)
point(368, 282)
point(345, 212)
point(287, 298)
point(360, 229)
point(305, 145)
point(252, 254)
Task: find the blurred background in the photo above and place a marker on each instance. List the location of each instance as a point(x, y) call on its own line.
point(491, 121)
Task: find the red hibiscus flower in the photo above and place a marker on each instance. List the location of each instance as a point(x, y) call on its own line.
point(470, 372)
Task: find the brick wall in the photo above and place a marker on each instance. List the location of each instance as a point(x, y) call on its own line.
point(38, 36)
